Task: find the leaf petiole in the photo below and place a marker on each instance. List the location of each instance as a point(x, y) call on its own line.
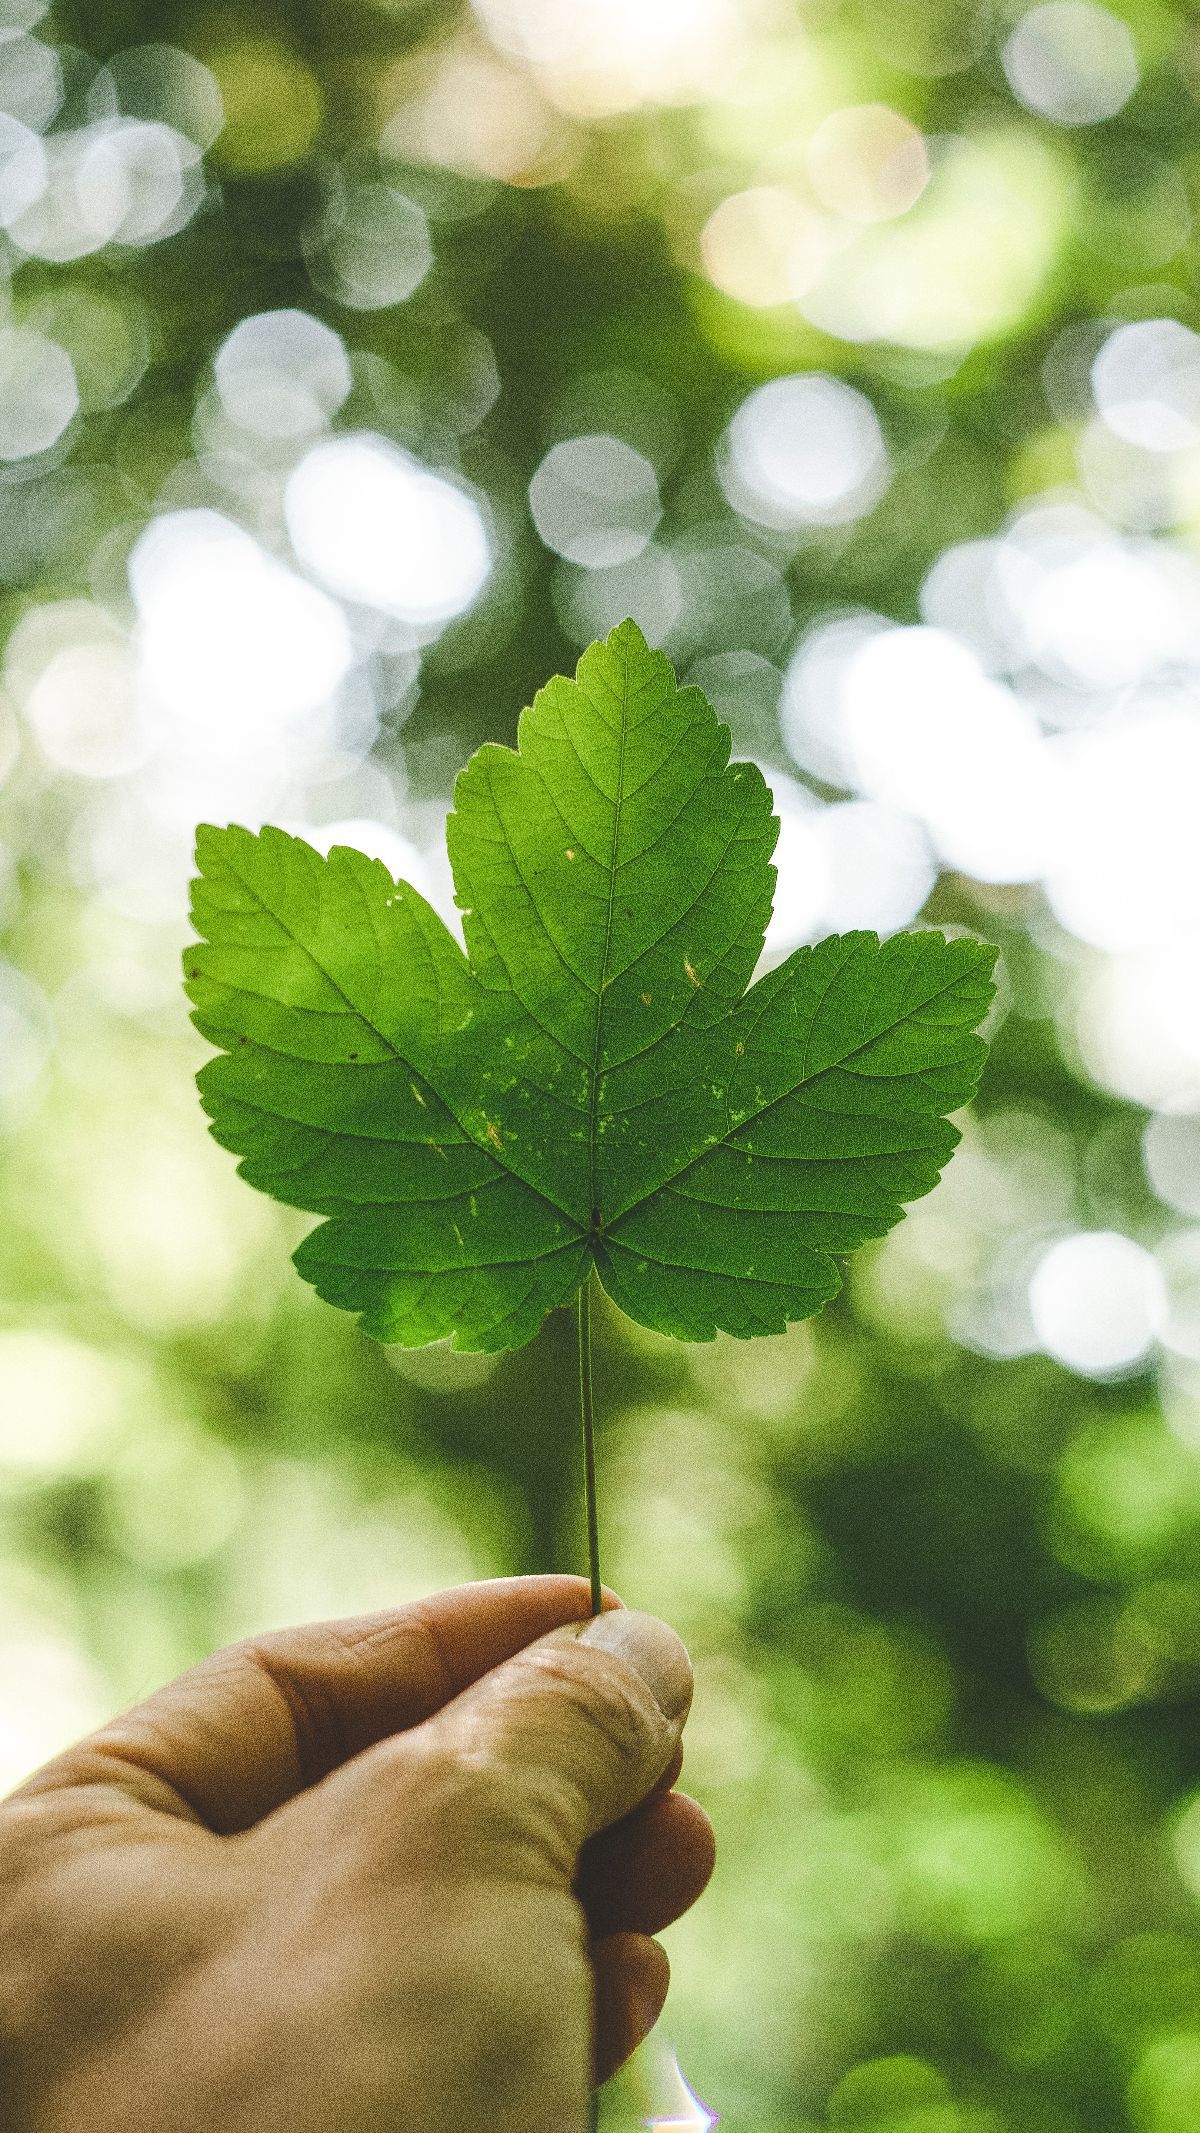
point(587, 1419)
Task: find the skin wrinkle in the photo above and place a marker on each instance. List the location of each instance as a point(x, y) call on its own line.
point(319, 1737)
point(152, 1790)
point(345, 1955)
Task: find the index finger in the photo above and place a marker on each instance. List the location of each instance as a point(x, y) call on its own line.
point(248, 1728)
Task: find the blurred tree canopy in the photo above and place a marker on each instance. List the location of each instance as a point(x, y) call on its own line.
point(358, 364)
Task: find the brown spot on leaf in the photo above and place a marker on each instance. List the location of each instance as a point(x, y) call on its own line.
point(493, 1135)
point(570, 853)
point(646, 997)
point(691, 972)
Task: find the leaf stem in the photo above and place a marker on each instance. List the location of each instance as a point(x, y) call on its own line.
point(587, 1418)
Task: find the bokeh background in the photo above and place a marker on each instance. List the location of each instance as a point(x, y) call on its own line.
point(359, 361)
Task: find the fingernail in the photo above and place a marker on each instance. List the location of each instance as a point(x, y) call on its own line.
point(652, 1650)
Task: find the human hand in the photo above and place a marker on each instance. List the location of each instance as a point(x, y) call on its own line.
point(391, 1875)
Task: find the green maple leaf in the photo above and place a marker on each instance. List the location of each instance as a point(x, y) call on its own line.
point(591, 1083)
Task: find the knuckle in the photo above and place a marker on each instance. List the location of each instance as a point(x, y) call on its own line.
point(506, 1786)
point(311, 1712)
point(598, 1704)
point(460, 1804)
point(467, 1791)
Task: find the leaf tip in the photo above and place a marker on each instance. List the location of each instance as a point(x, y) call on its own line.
point(627, 637)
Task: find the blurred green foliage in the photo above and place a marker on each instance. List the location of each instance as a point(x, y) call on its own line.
point(938, 1554)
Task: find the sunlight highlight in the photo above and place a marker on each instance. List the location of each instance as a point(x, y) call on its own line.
point(384, 531)
point(691, 2116)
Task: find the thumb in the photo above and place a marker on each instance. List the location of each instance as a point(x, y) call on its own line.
point(554, 1745)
